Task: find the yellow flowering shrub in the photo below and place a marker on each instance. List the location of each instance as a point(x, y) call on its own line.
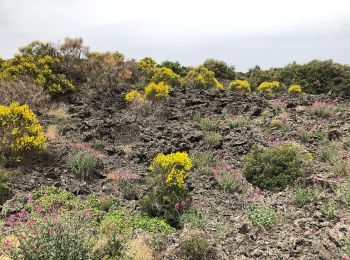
point(20, 132)
point(134, 97)
point(154, 91)
point(147, 66)
point(240, 86)
point(294, 88)
point(36, 64)
point(174, 167)
point(201, 77)
point(167, 195)
point(268, 87)
point(167, 76)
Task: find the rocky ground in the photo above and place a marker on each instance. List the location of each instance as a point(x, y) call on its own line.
point(127, 140)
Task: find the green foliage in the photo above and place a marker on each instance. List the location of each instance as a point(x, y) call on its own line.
point(194, 218)
point(195, 247)
point(4, 189)
point(167, 76)
point(330, 209)
point(128, 189)
point(228, 181)
point(329, 152)
point(220, 69)
point(82, 164)
point(122, 221)
point(212, 139)
point(276, 167)
point(323, 109)
point(208, 124)
point(201, 77)
point(238, 122)
point(174, 66)
point(260, 215)
point(98, 145)
point(304, 136)
point(53, 197)
point(317, 76)
point(64, 238)
point(304, 196)
point(203, 162)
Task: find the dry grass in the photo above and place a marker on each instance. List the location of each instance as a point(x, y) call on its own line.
point(23, 92)
point(60, 111)
point(137, 249)
point(51, 132)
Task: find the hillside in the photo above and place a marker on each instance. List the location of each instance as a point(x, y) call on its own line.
point(93, 183)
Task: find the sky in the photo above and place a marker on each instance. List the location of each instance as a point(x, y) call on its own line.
point(243, 33)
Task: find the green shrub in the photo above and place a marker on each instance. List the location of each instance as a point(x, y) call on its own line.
point(64, 237)
point(212, 139)
point(228, 179)
point(128, 189)
point(201, 77)
point(323, 109)
point(220, 69)
point(304, 135)
point(82, 164)
point(194, 218)
point(98, 145)
point(317, 76)
point(203, 162)
point(329, 152)
point(208, 124)
point(304, 196)
point(4, 189)
point(123, 221)
point(238, 122)
point(53, 197)
point(276, 167)
point(260, 215)
point(330, 210)
point(195, 247)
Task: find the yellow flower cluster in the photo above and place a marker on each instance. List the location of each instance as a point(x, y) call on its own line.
point(268, 86)
point(201, 77)
point(20, 131)
point(167, 76)
point(294, 88)
point(37, 68)
point(158, 91)
point(134, 97)
point(174, 167)
point(240, 86)
point(146, 64)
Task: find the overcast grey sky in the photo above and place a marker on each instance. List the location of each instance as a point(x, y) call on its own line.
point(241, 32)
